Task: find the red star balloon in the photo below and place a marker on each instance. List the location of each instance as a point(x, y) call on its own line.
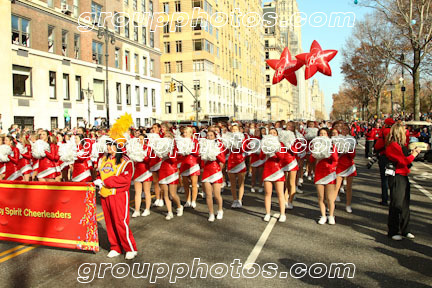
point(285, 67)
point(317, 60)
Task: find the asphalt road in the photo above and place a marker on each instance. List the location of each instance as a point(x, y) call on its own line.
point(296, 247)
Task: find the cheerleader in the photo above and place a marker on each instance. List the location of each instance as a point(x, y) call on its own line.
point(310, 133)
point(63, 167)
point(169, 177)
point(273, 174)
point(346, 169)
point(236, 166)
point(325, 178)
point(289, 165)
point(190, 168)
point(47, 171)
point(212, 173)
point(115, 175)
point(256, 161)
point(142, 179)
point(12, 172)
point(301, 147)
point(81, 171)
point(35, 162)
point(155, 163)
point(24, 163)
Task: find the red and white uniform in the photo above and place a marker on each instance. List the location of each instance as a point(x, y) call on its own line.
point(60, 164)
point(325, 169)
point(346, 166)
point(2, 168)
point(142, 169)
point(155, 162)
point(212, 172)
point(255, 159)
point(273, 171)
point(24, 163)
point(168, 172)
point(47, 165)
point(81, 168)
point(190, 163)
point(116, 210)
point(289, 162)
point(12, 172)
point(236, 159)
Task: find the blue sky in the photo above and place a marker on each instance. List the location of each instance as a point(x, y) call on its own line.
point(329, 38)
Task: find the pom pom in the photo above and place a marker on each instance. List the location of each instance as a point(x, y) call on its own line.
point(287, 138)
point(120, 127)
point(5, 151)
point(162, 147)
point(311, 133)
point(68, 152)
point(237, 140)
point(22, 149)
point(209, 149)
point(38, 149)
point(227, 140)
point(270, 144)
point(134, 150)
point(185, 146)
point(254, 146)
point(344, 144)
point(321, 147)
point(299, 135)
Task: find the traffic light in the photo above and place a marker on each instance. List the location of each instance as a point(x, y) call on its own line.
point(172, 87)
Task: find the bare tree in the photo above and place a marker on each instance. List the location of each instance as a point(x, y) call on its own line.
point(409, 25)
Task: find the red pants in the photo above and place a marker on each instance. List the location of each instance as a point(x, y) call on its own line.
point(116, 213)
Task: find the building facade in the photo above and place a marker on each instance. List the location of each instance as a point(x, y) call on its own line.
point(279, 97)
point(317, 95)
point(218, 68)
point(58, 71)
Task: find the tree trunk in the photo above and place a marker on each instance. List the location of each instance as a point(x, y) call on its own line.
point(378, 105)
point(416, 84)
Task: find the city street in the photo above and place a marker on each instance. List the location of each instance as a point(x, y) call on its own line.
point(359, 238)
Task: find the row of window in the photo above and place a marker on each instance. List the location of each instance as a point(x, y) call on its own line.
point(213, 107)
point(143, 5)
point(126, 23)
point(197, 25)
point(22, 87)
point(177, 7)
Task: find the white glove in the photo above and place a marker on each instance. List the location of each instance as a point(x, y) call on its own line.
point(98, 183)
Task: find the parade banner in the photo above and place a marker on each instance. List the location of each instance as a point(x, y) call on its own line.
point(59, 214)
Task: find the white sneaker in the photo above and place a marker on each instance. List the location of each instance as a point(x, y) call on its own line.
point(180, 211)
point(229, 184)
point(322, 220)
point(267, 217)
point(187, 205)
point(181, 190)
point(223, 184)
point(156, 203)
point(300, 181)
point(201, 194)
point(348, 209)
point(397, 237)
point(282, 218)
point(131, 255)
point(211, 218)
point(298, 190)
point(161, 203)
point(136, 214)
point(409, 236)
point(310, 178)
point(289, 205)
point(239, 204)
point(331, 220)
point(344, 182)
point(337, 199)
point(193, 204)
point(305, 174)
point(169, 216)
point(113, 254)
point(261, 190)
point(234, 204)
point(219, 215)
point(146, 213)
point(252, 190)
point(342, 190)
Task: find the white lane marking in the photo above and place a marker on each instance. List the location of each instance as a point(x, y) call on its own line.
point(261, 241)
point(361, 146)
point(419, 187)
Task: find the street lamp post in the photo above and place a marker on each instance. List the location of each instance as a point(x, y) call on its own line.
point(89, 94)
point(234, 85)
point(109, 37)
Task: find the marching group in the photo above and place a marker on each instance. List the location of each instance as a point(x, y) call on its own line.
point(231, 155)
